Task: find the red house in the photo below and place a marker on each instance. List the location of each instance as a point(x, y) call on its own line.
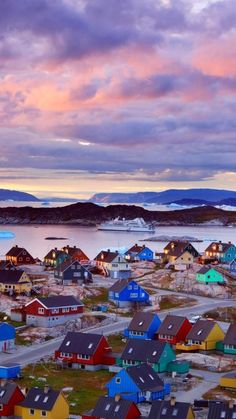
point(75, 253)
point(113, 407)
point(19, 256)
point(52, 311)
point(10, 395)
point(86, 351)
point(173, 329)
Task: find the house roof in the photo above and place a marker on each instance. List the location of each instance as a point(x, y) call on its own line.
point(217, 407)
point(135, 249)
point(177, 247)
point(50, 254)
point(204, 270)
point(171, 325)
point(80, 343)
point(145, 377)
point(109, 408)
point(106, 256)
point(120, 285)
point(201, 330)
point(230, 337)
point(141, 321)
point(218, 247)
point(7, 390)
point(164, 409)
point(10, 277)
point(16, 251)
point(143, 350)
point(41, 399)
point(75, 252)
point(58, 301)
point(4, 264)
point(65, 265)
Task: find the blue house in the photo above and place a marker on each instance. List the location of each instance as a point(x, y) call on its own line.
point(139, 384)
point(136, 253)
point(125, 293)
point(224, 252)
point(7, 337)
point(232, 266)
point(144, 325)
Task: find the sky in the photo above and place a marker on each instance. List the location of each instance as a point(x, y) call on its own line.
point(117, 96)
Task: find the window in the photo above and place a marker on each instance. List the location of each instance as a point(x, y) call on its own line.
point(130, 350)
point(90, 345)
point(117, 408)
point(164, 411)
point(141, 379)
point(118, 380)
point(43, 413)
point(37, 397)
point(175, 412)
point(223, 414)
point(41, 310)
point(140, 323)
point(1, 406)
point(199, 332)
point(150, 375)
point(154, 353)
point(2, 392)
point(170, 326)
point(45, 399)
point(107, 407)
point(68, 343)
point(31, 412)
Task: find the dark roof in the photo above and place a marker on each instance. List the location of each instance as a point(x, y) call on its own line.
point(230, 337)
point(216, 408)
point(65, 265)
point(171, 325)
point(135, 249)
point(141, 321)
point(38, 398)
point(177, 248)
point(5, 264)
point(204, 270)
point(10, 277)
point(16, 251)
point(59, 301)
point(201, 330)
point(143, 350)
point(50, 254)
point(106, 256)
point(145, 377)
point(80, 343)
point(7, 389)
point(108, 408)
point(120, 285)
point(75, 252)
point(218, 247)
point(164, 409)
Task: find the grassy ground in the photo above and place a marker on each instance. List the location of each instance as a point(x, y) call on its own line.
point(87, 386)
point(222, 314)
point(102, 297)
point(167, 302)
point(219, 393)
point(116, 342)
point(5, 318)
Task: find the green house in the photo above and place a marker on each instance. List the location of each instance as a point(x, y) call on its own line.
point(229, 341)
point(157, 354)
point(209, 275)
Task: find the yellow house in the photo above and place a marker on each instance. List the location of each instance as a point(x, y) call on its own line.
point(43, 403)
point(15, 282)
point(203, 336)
point(185, 258)
point(171, 409)
point(228, 380)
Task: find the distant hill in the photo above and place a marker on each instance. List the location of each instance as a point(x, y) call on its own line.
point(7, 194)
point(166, 197)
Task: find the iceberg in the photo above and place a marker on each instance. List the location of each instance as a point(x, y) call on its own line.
point(7, 235)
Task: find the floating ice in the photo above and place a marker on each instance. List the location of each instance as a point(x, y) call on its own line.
point(7, 235)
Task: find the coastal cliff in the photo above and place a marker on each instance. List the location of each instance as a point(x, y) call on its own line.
point(89, 214)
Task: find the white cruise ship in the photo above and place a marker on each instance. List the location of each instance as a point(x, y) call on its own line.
point(118, 224)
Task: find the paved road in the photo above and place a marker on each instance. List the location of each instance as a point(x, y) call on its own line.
point(31, 354)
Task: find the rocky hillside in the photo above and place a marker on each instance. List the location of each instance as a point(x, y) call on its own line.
point(91, 214)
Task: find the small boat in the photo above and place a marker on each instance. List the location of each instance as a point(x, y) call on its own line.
point(135, 225)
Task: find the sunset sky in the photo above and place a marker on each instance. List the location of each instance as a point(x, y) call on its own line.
point(117, 95)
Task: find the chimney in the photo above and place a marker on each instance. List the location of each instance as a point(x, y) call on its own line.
point(117, 251)
point(231, 404)
point(46, 389)
point(117, 397)
point(108, 250)
point(172, 401)
point(3, 383)
point(229, 242)
point(25, 390)
point(55, 248)
point(74, 247)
